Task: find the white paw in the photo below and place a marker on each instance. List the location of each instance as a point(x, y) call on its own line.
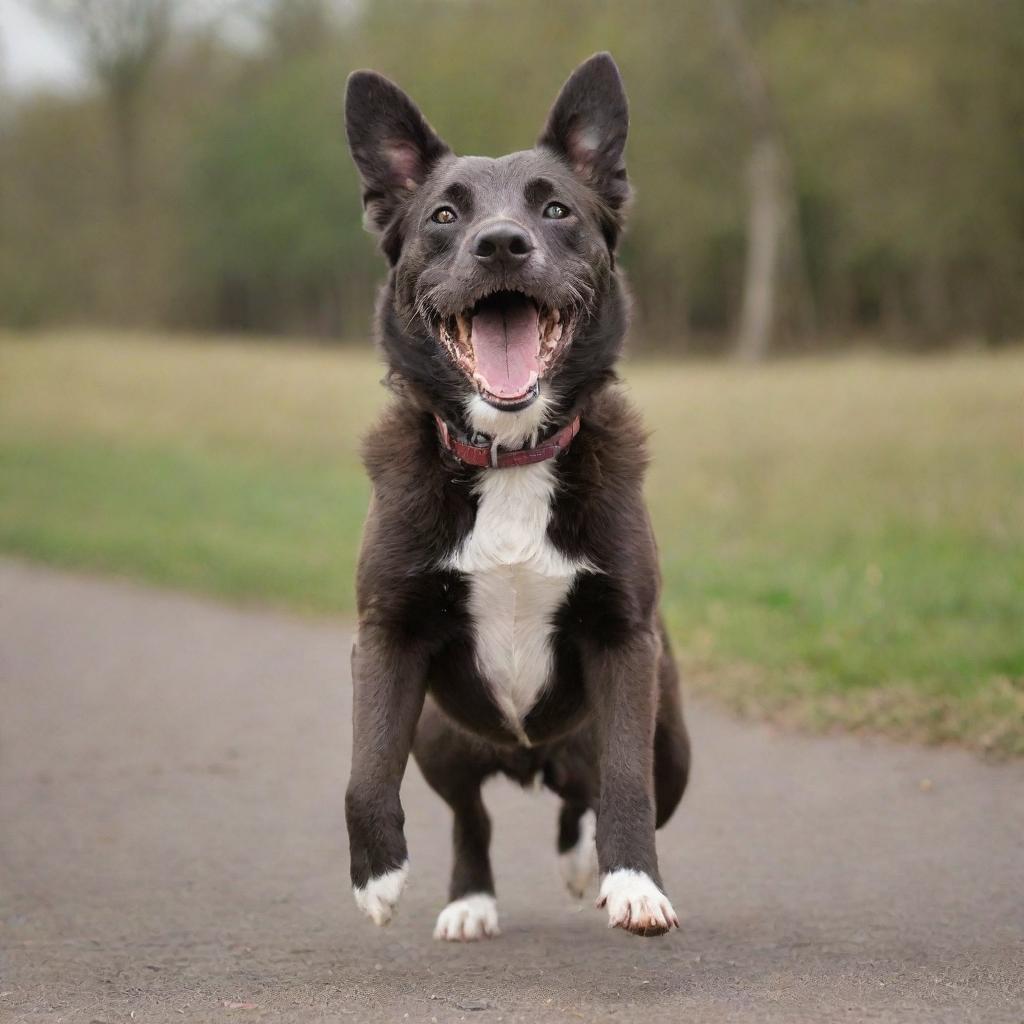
point(468, 919)
point(579, 865)
point(635, 903)
point(379, 897)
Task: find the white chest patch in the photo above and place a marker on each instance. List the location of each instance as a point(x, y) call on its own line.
point(517, 581)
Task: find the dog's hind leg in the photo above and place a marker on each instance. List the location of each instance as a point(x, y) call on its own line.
point(570, 771)
point(455, 766)
point(577, 852)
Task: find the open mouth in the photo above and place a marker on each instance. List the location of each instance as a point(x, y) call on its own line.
point(505, 344)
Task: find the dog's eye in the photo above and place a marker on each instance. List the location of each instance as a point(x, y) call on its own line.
point(556, 211)
point(444, 215)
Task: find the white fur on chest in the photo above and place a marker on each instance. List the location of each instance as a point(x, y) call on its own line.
point(517, 581)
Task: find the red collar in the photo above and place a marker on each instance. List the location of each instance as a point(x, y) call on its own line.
point(487, 456)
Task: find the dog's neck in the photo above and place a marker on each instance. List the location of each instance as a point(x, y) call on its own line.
point(484, 453)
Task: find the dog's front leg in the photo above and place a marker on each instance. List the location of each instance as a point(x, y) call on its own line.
point(388, 680)
point(621, 679)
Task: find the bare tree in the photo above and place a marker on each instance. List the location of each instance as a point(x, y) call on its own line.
point(773, 239)
point(118, 42)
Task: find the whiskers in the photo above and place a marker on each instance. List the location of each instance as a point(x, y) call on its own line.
point(424, 310)
point(580, 295)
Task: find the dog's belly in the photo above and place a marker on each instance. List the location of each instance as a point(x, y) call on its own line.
point(517, 582)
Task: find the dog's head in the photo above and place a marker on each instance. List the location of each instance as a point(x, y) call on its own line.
point(502, 282)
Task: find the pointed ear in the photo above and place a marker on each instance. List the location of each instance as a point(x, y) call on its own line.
point(587, 127)
point(392, 145)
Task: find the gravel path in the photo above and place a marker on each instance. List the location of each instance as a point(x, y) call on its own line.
point(172, 847)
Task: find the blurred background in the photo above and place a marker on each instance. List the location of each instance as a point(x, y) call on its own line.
point(827, 255)
point(180, 163)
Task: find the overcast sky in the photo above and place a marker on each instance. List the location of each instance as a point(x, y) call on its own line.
point(31, 53)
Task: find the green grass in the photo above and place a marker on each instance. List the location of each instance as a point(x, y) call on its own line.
point(236, 527)
point(842, 540)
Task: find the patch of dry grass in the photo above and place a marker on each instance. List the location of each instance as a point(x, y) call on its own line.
point(296, 402)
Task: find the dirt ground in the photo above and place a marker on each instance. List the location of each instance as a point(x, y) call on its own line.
point(172, 847)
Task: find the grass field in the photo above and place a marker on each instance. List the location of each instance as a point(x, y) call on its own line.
point(842, 540)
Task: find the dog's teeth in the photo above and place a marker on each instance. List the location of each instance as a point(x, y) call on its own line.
point(550, 329)
point(465, 328)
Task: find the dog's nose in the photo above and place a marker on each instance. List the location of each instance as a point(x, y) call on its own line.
point(503, 242)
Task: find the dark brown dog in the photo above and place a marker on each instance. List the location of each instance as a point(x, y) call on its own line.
point(508, 580)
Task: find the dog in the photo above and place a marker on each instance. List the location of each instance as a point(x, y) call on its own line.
point(508, 583)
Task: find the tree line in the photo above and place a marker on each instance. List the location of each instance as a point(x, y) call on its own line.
point(807, 174)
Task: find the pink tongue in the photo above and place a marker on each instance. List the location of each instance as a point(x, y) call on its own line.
point(507, 346)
